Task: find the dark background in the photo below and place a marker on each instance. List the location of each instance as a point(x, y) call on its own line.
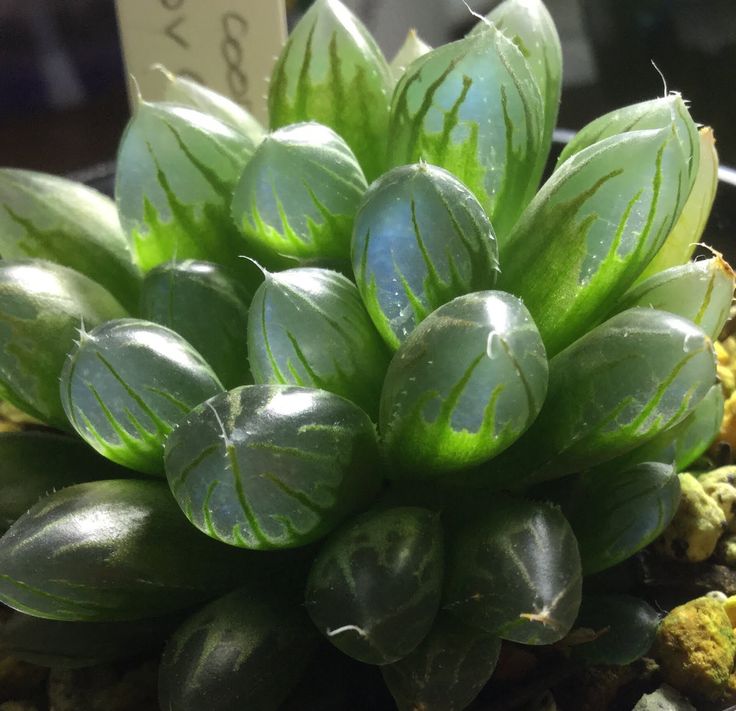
point(62, 94)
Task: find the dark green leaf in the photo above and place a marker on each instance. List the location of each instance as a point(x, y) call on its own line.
point(112, 550)
point(514, 571)
point(446, 671)
point(205, 305)
point(33, 464)
point(72, 645)
point(375, 586)
point(243, 651)
point(617, 512)
point(625, 626)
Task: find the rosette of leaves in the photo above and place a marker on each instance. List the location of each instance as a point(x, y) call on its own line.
point(417, 542)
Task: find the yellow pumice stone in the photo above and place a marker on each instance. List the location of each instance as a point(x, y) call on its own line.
point(696, 527)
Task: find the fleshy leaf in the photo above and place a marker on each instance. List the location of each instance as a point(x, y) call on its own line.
point(127, 384)
point(684, 443)
point(700, 291)
point(624, 626)
point(176, 171)
point(206, 305)
point(74, 645)
point(298, 195)
point(473, 108)
point(616, 512)
point(528, 24)
point(634, 376)
point(684, 236)
point(666, 112)
point(420, 239)
point(294, 314)
point(42, 306)
point(446, 671)
point(243, 651)
point(272, 466)
point(183, 90)
point(48, 217)
point(112, 550)
point(332, 71)
point(375, 586)
point(592, 228)
point(465, 384)
point(413, 48)
point(515, 572)
point(34, 463)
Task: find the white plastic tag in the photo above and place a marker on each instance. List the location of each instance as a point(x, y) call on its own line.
point(228, 45)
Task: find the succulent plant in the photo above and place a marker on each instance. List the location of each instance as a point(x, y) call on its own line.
point(434, 397)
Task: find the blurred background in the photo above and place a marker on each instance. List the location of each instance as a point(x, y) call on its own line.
point(63, 104)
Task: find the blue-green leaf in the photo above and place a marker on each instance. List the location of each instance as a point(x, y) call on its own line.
point(269, 466)
point(592, 228)
point(42, 307)
point(176, 171)
point(48, 217)
point(465, 384)
point(127, 384)
point(332, 71)
point(615, 512)
point(375, 586)
point(298, 195)
point(295, 314)
point(531, 28)
point(668, 111)
point(420, 239)
point(473, 108)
